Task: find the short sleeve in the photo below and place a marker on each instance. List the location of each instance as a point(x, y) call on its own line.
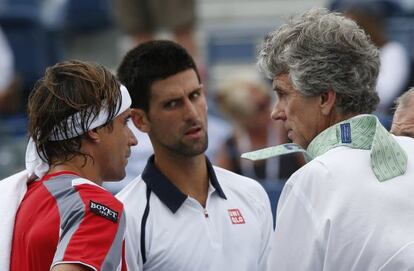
point(92, 229)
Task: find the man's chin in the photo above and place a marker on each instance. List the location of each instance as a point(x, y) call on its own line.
point(117, 178)
point(300, 143)
point(194, 150)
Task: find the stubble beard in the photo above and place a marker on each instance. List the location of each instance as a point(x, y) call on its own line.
point(190, 149)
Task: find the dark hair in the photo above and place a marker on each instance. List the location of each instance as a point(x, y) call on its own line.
point(150, 62)
point(67, 88)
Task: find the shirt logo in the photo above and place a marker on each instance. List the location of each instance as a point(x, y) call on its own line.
point(236, 216)
point(346, 133)
point(104, 211)
point(290, 146)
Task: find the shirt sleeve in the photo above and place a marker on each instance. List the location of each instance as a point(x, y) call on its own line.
point(133, 250)
point(267, 230)
point(92, 230)
point(297, 243)
point(134, 211)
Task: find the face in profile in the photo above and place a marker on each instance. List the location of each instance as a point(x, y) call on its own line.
point(177, 116)
point(301, 115)
point(115, 147)
point(403, 123)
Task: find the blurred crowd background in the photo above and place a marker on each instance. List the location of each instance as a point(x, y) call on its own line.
point(222, 35)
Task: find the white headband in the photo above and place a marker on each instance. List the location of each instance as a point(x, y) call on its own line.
point(101, 118)
point(35, 165)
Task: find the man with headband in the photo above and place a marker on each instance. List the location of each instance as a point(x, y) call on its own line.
point(351, 207)
point(78, 114)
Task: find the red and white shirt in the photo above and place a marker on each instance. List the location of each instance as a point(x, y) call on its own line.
point(67, 219)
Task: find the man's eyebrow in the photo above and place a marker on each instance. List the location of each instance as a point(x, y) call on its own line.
point(277, 89)
point(198, 88)
point(170, 99)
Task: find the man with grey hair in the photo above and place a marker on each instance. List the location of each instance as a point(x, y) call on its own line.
point(403, 121)
point(350, 207)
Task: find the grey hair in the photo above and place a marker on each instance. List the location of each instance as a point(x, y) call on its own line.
point(404, 100)
point(320, 51)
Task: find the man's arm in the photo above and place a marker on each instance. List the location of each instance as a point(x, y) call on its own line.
point(267, 230)
point(298, 242)
point(90, 237)
point(295, 243)
point(70, 267)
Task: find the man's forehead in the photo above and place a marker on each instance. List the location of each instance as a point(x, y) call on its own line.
point(274, 82)
point(174, 91)
point(404, 115)
point(182, 80)
point(282, 81)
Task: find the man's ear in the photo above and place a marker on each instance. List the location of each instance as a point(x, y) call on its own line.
point(140, 119)
point(328, 100)
point(93, 135)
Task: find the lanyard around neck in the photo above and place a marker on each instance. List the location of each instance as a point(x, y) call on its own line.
point(365, 132)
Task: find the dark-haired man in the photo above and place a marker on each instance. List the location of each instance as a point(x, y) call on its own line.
point(184, 213)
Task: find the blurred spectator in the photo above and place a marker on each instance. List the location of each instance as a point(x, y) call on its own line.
point(34, 45)
point(395, 70)
point(142, 19)
point(245, 99)
point(403, 122)
point(9, 87)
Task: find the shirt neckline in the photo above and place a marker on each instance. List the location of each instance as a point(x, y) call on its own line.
point(166, 191)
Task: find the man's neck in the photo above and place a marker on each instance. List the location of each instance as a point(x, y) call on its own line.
point(336, 118)
point(188, 174)
point(78, 166)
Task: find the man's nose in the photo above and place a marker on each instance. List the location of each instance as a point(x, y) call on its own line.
point(277, 112)
point(190, 112)
point(133, 141)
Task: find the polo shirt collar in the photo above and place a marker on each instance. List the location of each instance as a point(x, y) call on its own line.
point(166, 191)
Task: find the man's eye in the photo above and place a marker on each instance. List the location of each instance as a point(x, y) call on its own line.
point(171, 104)
point(195, 95)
